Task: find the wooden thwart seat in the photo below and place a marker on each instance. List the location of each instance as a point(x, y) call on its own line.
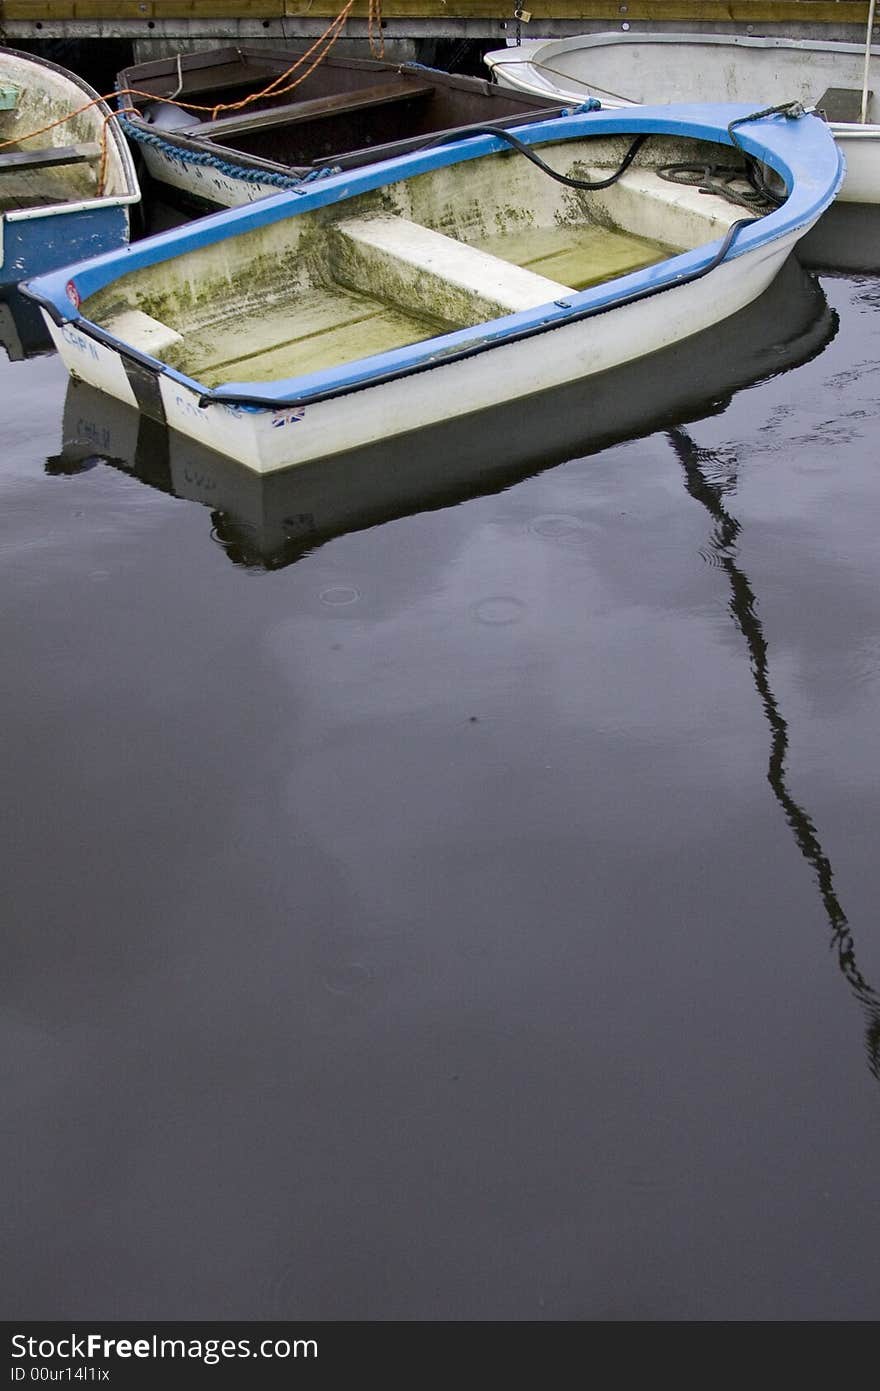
point(51, 157)
point(296, 112)
point(412, 266)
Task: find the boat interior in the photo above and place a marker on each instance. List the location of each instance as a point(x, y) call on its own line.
point(61, 165)
point(345, 105)
point(449, 249)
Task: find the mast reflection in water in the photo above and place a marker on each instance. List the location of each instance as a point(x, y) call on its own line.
point(697, 465)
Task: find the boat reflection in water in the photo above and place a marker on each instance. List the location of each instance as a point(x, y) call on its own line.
point(272, 521)
point(23, 331)
point(269, 521)
point(845, 241)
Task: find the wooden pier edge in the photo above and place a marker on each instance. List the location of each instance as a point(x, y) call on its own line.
point(472, 19)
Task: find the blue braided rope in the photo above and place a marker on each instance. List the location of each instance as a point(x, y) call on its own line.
point(591, 104)
point(245, 173)
point(210, 160)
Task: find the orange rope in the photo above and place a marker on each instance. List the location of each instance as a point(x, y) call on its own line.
point(331, 34)
point(374, 22)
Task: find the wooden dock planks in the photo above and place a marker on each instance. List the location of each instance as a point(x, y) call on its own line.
point(742, 12)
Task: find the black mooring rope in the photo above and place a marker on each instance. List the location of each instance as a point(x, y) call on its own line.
point(794, 109)
point(463, 132)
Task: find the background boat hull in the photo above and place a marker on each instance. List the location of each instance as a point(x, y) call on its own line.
point(48, 239)
point(642, 68)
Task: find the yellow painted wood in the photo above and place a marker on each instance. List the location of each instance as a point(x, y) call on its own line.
point(718, 11)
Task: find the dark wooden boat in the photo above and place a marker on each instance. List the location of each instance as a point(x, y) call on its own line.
point(345, 113)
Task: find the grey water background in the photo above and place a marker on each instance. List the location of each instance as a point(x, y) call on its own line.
point(469, 915)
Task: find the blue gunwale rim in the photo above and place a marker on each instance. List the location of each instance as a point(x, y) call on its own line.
point(801, 151)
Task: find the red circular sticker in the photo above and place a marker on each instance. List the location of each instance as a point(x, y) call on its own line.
point(73, 294)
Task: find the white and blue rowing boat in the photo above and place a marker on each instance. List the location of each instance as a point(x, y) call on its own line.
point(374, 303)
point(67, 179)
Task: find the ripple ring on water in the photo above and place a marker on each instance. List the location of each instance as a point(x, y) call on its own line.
point(498, 610)
point(347, 979)
point(338, 595)
point(560, 527)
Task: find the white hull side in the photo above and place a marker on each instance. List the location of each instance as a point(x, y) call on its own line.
point(266, 440)
point(861, 150)
point(90, 361)
point(201, 180)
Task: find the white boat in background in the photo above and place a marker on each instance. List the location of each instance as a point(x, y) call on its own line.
point(627, 69)
point(373, 303)
point(67, 179)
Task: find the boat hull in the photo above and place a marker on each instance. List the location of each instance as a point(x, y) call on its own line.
point(627, 69)
point(276, 439)
point(40, 232)
point(558, 335)
point(200, 186)
point(271, 520)
point(53, 237)
point(861, 150)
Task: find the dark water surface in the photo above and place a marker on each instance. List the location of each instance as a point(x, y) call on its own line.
point(454, 913)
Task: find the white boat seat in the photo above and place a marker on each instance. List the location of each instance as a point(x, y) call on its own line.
point(642, 204)
point(52, 157)
point(141, 331)
point(424, 271)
